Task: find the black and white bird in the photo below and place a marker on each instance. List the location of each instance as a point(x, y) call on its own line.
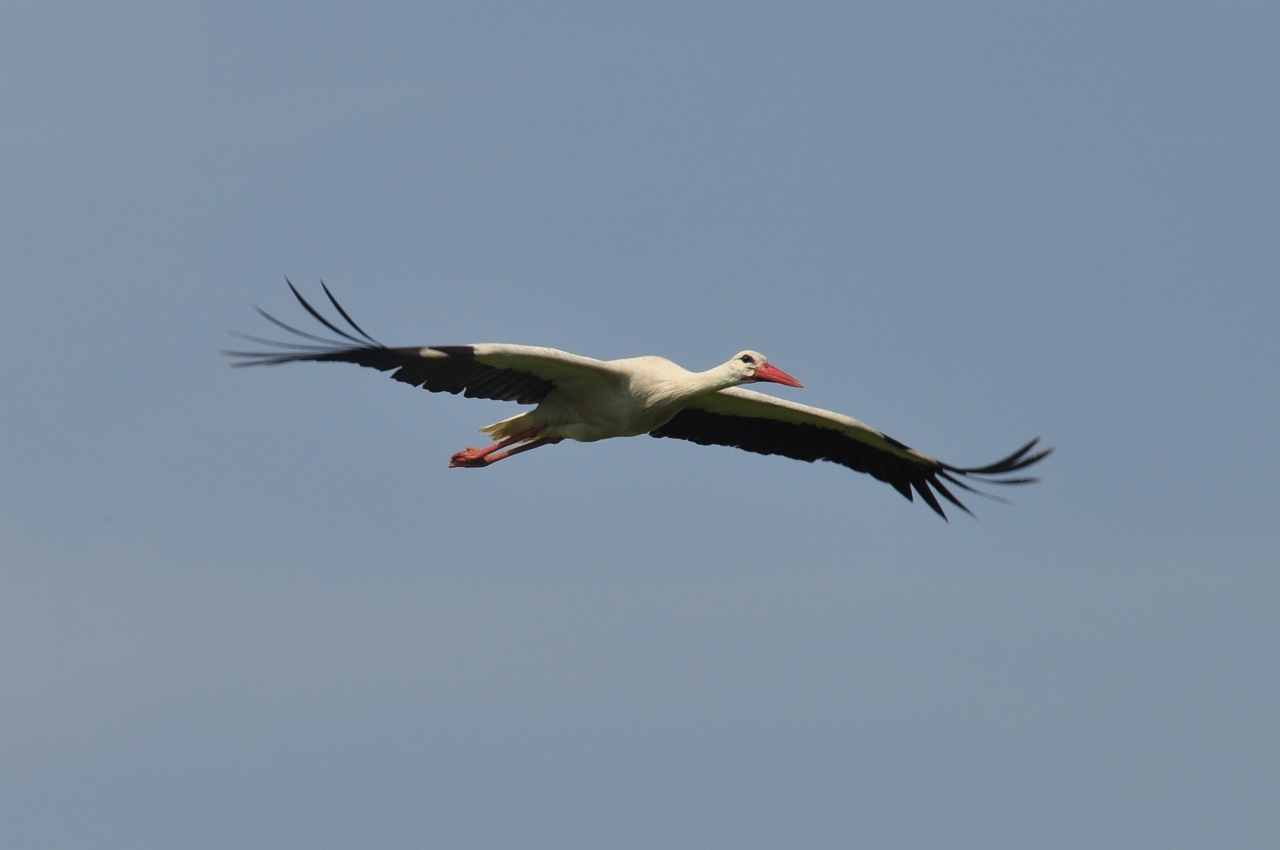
point(580, 398)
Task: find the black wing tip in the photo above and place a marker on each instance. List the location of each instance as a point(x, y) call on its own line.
point(950, 497)
point(992, 473)
point(320, 346)
point(1019, 459)
point(932, 481)
point(345, 315)
point(930, 484)
point(328, 324)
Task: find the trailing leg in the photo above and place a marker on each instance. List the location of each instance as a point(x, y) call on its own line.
point(472, 457)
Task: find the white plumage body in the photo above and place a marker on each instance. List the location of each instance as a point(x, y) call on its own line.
point(611, 398)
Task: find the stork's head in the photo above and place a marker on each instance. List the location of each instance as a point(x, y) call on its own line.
point(751, 366)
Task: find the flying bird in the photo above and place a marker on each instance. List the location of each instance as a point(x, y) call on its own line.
point(580, 398)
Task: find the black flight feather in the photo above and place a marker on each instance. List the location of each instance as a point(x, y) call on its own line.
point(457, 371)
point(802, 441)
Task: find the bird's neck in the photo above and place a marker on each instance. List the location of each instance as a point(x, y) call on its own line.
point(719, 378)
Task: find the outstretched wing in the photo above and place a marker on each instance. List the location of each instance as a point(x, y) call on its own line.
point(771, 426)
point(520, 373)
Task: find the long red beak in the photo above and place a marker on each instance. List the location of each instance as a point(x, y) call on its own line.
point(773, 374)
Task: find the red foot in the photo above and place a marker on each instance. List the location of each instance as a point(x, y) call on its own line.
point(470, 458)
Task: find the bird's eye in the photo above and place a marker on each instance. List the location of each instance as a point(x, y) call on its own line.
point(747, 358)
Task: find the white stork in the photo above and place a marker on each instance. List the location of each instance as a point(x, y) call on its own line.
point(579, 398)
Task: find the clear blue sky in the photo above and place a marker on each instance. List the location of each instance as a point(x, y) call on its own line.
point(253, 608)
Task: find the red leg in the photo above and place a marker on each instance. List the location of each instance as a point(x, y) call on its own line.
point(473, 457)
point(541, 441)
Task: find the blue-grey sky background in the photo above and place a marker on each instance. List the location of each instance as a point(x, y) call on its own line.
point(253, 608)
